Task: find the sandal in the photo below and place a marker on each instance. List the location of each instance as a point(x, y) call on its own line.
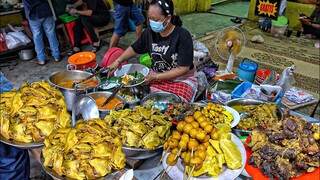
point(40, 62)
point(237, 20)
point(72, 52)
point(96, 48)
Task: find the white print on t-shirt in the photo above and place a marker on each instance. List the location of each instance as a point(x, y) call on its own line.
point(162, 49)
point(160, 65)
point(174, 58)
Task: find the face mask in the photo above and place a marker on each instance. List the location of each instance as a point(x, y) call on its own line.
point(157, 26)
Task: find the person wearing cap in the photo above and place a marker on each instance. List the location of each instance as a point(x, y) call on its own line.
point(311, 25)
point(171, 50)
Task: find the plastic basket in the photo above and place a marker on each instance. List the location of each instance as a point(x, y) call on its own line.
point(66, 18)
point(240, 89)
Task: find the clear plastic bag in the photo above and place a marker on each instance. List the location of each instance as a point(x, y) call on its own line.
point(16, 39)
point(202, 79)
point(287, 79)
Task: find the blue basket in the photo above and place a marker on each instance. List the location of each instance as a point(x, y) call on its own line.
point(240, 89)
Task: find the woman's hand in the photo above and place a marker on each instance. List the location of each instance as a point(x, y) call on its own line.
point(149, 78)
point(112, 67)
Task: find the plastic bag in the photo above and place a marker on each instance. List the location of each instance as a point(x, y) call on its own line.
point(202, 79)
point(287, 79)
point(16, 39)
point(21, 36)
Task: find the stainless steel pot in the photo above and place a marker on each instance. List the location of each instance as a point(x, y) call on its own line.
point(101, 94)
point(26, 54)
point(70, 94)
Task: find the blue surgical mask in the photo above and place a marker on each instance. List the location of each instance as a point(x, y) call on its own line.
point(157, 26)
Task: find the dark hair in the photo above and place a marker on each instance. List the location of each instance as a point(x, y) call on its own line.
point(175, 20)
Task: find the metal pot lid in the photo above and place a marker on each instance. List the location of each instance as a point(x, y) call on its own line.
point(84, 108)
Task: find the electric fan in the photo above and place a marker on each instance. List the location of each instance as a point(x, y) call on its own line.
point(229, 44)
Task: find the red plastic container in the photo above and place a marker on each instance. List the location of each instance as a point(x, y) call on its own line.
point(111, 55)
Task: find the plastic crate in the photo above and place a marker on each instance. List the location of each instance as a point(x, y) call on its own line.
point(66, 18)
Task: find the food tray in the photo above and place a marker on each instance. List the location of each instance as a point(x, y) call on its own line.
point(244, 101)
point(55, 175)
point(66, 18)
point(161, 98)
point(21, 145)
point(139, 153)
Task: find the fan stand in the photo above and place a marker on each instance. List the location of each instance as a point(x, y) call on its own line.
point(229, 67)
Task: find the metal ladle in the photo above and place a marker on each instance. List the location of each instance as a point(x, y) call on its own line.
point(89, 77)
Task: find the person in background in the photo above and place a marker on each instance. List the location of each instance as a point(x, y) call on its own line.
point(41, 20)
point(171, 49)
point(14, 162)
point(94, 13)
point(311, 25)
point(125, 10)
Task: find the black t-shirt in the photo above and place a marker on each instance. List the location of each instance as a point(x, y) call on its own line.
point(166, 52)
point(124, 2)
point(98, 7)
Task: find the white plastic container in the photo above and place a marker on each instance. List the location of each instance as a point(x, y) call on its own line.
point(278, 31)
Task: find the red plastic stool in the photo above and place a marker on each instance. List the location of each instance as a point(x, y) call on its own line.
point(70, 26)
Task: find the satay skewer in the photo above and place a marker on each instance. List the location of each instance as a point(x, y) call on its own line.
point(178, 154)
point(190, 174)
point(164, 171)
point(164, 155)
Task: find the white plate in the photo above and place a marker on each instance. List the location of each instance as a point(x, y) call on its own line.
point(132, 68)
point(235, 114)
point(176, 171)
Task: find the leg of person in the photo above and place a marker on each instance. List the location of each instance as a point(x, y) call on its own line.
point(49, 29)
point(137, 17)
point(89, 22)
point(122, 15)
point(308, 30)
point(36, 28)
point(77, 30)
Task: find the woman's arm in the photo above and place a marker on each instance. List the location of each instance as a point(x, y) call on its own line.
point(87, 12)
point(78, 3)
point(172, 74)
point(84, 12)
point(125, 56)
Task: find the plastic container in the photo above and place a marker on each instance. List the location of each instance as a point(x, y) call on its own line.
point(278, 27)
point(146, 60)
point(240, 89)
point(66, 18)
point(247, 69)
point(111, 55)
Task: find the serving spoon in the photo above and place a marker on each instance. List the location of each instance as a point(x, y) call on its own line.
point(91, 76)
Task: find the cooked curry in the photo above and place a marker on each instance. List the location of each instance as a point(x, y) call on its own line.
point(110, 105)
point(70, 83)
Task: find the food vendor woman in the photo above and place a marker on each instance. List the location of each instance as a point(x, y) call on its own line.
point(171, 49)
